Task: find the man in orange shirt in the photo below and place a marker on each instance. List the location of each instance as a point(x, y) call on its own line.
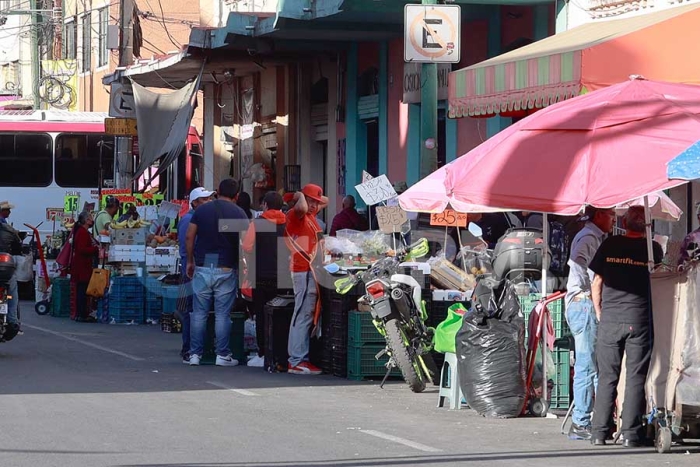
point(303, 236)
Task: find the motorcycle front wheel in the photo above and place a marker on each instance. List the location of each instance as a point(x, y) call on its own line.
point(409, 366)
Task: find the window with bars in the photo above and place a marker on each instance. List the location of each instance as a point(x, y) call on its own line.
point(87, 42)
point(103, 57)
point(70, 39)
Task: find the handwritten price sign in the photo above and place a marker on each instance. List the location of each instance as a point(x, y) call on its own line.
point(391, 218)
point(376, 190)
point(449, 218)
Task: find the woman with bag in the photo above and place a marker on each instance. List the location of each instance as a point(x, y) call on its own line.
point(84, 251)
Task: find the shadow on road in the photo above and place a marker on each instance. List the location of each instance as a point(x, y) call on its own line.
point(440, 459)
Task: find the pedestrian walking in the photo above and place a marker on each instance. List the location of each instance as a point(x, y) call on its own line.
point(10, 243)
point(581, 317)
point(212, 242)
point(198, 197)
point(621, 293)
point(303, 235)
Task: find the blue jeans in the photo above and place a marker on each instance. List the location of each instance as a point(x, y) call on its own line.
point(584, 326)
point(305, 296)
point(13, 303)
point(220, 287)
point(186, 302)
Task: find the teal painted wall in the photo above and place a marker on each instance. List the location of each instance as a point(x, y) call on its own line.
point(413, 145)
point(495, 124)
point(353, 165)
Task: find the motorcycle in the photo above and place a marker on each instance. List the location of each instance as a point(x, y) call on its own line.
point(399, 315)
point(7, 268)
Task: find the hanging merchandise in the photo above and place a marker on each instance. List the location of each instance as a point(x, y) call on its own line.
point(492, 364)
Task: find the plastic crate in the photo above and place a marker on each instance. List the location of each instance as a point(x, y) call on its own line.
point(60, 297)
point(363, 364)
point(153, 309)
point(560, 375)
point(361, 329)
point(556, 311)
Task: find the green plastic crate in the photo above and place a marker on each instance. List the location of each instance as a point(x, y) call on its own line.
point(236, 339)
point(60, 297)
point(361, 330)
point(362, 364)
point(560, 375)
point(556, 311)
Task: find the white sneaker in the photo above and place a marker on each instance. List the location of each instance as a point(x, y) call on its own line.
point(226, 361)
point(257, 362)
point(195, 359)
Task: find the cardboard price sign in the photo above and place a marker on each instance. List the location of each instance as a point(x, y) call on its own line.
point(376, 190)
point(391, 218)
point(449, 218)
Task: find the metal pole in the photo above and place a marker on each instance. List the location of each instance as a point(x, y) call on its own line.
point(126, 50)
point(100, 176)
point(545, 266)
point(428, 113)
point(647, 221)
point(36, 69)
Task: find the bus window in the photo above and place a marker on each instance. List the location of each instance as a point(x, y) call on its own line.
point(77, 159)
point(25, 159)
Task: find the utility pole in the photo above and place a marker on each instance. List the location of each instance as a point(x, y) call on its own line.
point(57, 29)
point(126, 45)
point(124, 161)
point(35, 57)
point(428, 114)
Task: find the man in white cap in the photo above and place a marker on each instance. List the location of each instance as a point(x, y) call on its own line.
point(198, 197)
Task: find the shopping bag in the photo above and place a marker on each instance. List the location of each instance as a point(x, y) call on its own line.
point(446, 331)
point(99, 281)
point(64, 256)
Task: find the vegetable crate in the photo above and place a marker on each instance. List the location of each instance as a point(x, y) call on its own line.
point(60, 297)
point(154, 299)
point(361, 330)
point(362, 363)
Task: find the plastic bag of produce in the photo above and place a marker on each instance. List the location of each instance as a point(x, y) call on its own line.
point(446, 331)
point(491, 359)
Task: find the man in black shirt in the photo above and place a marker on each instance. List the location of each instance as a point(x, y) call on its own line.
point(621, 293)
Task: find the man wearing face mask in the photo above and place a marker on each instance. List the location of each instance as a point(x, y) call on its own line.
point(303, 235)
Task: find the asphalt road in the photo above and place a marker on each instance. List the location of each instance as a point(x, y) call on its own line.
point(77, 394)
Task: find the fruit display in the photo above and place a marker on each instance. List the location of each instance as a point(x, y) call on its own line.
point(130, 224)
point(155, 241)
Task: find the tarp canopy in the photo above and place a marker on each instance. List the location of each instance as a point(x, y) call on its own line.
point(584, 58)
point(163, 122)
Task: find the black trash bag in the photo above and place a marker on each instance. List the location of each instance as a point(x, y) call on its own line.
point(491, 364)
point(496, 299)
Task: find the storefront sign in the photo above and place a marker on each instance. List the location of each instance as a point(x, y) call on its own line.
point(412, 82)
point(449, 218)
point(391, 218)
point(376, 190)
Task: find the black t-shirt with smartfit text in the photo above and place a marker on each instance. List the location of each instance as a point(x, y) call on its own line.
point(622, 263)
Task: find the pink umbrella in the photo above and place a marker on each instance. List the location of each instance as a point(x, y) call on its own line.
point(602, 149)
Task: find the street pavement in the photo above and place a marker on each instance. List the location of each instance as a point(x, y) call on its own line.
point(79, 394)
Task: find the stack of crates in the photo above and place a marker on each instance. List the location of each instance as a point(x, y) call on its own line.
point(334, 355)
point(169, 296)
point(560, 375)
point(364, 343)
point(154, 300)
point(126, 300)
point(60, 297)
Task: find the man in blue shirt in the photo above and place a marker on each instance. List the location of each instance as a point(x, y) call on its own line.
point(198, 197)
point(213, 247)
point(581, 318)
